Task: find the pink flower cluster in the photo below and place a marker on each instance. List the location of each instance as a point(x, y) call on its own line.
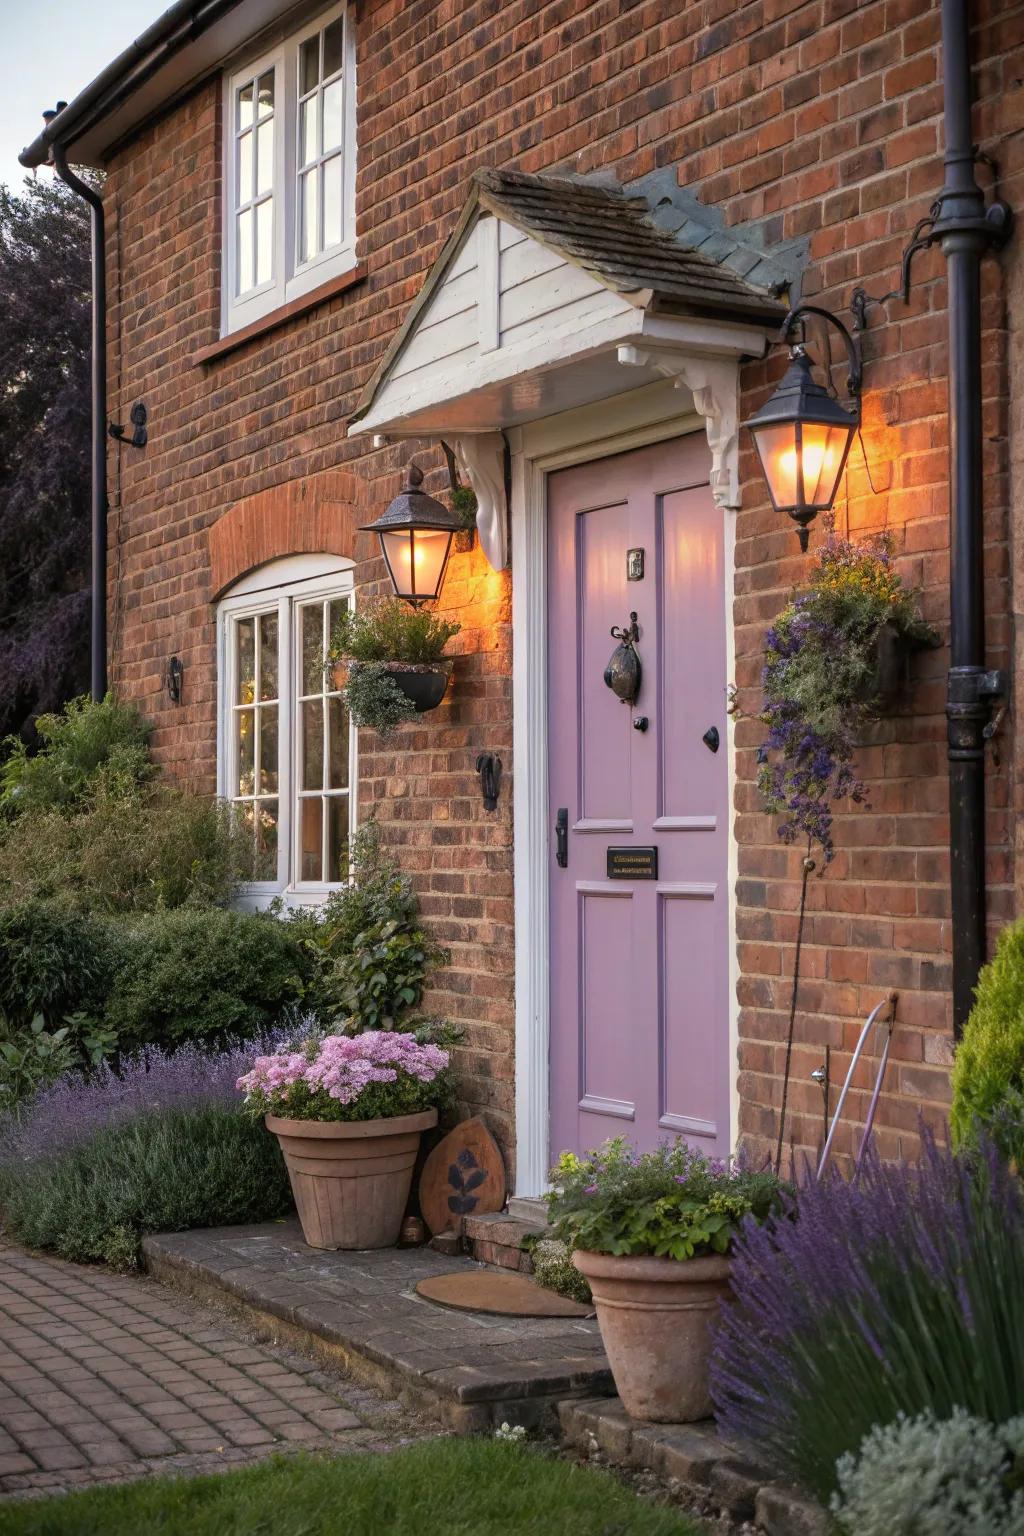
point(343, 1065)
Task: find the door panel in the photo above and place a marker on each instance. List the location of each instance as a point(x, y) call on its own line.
point(639, 967)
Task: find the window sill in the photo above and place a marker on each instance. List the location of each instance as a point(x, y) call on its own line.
point(277, 317)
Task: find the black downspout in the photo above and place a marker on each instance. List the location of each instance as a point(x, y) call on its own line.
point(967, 230)
point(98, 670)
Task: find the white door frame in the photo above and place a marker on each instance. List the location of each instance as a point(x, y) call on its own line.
point(643, 416)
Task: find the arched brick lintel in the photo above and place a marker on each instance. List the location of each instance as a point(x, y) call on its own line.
point(319, 514)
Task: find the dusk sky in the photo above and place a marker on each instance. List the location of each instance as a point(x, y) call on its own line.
point(50, 50)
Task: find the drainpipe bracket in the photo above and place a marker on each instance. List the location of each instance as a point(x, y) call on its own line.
point(990, 226)
point(971, 693)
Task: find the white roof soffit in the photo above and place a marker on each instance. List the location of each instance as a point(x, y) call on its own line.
point(137, 93)
point(508, 329)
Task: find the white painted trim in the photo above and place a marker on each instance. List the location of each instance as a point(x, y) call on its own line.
point(632, 420)
point(283, 586)
point(291, 278)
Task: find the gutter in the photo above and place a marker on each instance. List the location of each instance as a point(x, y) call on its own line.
point(179, 26)
point(967, 230)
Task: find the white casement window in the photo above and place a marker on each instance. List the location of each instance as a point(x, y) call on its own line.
point(286, 750)
point(289, 177)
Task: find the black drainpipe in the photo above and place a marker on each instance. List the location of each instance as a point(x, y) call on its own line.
point(967, 230)
point(98, 671)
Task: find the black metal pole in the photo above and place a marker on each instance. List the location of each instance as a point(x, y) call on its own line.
point(98, 669)
point(966, 230)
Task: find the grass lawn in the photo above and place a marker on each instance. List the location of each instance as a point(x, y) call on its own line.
point(435, 1488)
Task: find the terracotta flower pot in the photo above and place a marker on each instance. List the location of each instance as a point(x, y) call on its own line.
point(351, 1178)
point(655, 1317)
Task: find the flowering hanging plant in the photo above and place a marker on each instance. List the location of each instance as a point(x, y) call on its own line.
point(372, 1076)
point(820, 681)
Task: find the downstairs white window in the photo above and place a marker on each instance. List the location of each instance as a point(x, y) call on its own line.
point(286, 750)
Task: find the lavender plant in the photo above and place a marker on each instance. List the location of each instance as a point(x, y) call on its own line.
point(68, 1112)
point(898, 1294)
point(820, 657)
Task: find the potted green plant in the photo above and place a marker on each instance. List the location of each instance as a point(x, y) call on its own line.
point(652, 1234)
point(388, 660)
point(348, 1112)
point(836, 657)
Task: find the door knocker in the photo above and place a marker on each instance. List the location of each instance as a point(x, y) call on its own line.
point(624, 672)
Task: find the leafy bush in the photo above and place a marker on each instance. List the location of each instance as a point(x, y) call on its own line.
point(371, 956)
point(31, 1057)
point(923, 1477)
point(167, 1171)
point(370, 1076)
point(206, 976)
point(988, 1070)
point(860, 1301)
point(127, 850)
point(820, 657)
point(390, 630)
point(84, 742)
point(673, 1202)
point(53, 962)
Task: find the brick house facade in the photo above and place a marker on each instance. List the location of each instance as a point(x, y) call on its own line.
point(815, 124)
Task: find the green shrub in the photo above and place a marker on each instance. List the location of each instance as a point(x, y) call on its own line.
point(959, 1476)
point(126, 850)
point(86, 741)
point(195, 975)
point(989, 1065)
point(30, 1058)
point(554, 1270)
point(371, 956)
point(164, 1172)
point(53, 962)
point(374, 700)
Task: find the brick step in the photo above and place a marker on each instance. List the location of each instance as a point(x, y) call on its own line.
point(360, 1312)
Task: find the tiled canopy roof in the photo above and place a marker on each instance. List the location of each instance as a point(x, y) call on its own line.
point(613, 236)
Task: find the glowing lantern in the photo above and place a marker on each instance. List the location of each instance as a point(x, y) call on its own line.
point(415, 539)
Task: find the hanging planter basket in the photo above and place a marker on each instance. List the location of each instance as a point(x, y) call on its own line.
point(424, 684)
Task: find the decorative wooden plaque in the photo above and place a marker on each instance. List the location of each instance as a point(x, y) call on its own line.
point(463, 1176)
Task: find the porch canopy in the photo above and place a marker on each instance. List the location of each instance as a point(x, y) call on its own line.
point(554, 293)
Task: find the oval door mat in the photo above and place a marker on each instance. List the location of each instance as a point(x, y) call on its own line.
point(501, 1291)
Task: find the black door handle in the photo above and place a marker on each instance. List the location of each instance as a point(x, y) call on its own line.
point(711, 738)
point(562, 837)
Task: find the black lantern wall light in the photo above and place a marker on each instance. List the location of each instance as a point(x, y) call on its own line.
point(804, 433)
point(416, 535)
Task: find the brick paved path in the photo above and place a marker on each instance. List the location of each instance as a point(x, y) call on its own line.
point(109, 1377)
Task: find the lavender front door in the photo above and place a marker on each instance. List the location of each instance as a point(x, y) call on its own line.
point(639, 961)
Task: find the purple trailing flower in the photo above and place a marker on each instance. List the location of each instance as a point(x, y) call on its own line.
point(865, 1300)
point(70, 1110)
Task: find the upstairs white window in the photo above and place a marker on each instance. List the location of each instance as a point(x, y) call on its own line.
point(289, 177)
point(286, 756)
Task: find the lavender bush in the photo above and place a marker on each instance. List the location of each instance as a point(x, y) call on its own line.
point(899, 1294)
point(71, 1110)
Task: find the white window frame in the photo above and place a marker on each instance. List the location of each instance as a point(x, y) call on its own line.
point(280, 588)
point(292, 278)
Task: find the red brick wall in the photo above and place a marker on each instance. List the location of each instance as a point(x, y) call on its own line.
point(819, 116)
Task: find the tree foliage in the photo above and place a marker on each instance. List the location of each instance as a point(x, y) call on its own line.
point(45, 295)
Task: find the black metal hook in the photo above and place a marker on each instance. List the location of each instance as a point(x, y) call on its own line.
point(489, 768)
point(140, 436)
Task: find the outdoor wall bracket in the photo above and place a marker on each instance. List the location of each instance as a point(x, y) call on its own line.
point(714, 384)
point(139, 436)
point(482, 455)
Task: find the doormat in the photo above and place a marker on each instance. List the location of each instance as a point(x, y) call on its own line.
point(500, 1291)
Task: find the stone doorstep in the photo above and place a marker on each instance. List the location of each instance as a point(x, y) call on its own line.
point(358, 1312)
point(705, 1466)
point(499, 1239)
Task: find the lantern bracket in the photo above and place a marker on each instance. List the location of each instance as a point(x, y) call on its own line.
point(855, 378)
point(919, 241)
